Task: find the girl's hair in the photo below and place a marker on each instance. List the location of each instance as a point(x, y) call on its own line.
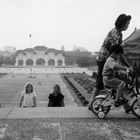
point(26, 87)
point(122, 20)
point(58, 87)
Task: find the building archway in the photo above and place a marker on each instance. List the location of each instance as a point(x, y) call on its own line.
point(20, 62)
point(51, 62)
point(59, 63)
point(29, 62)
point(40, 61)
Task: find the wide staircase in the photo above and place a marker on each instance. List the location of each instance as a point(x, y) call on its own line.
point(76, 91)
point(57, 112)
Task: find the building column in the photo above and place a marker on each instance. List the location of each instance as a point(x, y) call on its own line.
point(34, 61)
point(46, 60)
point(63, 60)
point(16, 64)
point(55, 61)
point(24, 61)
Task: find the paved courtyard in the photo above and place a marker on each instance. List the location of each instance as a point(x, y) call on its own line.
point(69, 129)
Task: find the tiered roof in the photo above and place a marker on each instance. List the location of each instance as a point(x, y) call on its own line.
point(132, 43)
point(38, 48)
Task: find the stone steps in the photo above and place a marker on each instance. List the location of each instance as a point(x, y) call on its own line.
point(57, 112)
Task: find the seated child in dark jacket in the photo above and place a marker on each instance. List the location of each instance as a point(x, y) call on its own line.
point(56, 98)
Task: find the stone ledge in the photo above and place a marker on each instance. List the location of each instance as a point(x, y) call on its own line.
point(4, 112)
point(57, 112)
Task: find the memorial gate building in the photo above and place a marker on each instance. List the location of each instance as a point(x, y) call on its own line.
point(40, 56)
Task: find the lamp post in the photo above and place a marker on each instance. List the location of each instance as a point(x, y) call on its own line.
point(30, 36)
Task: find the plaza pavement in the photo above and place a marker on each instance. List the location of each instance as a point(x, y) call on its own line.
point(66, 123)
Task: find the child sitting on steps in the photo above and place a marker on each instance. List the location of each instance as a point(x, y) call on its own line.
point(56, 98)
point(28, 96)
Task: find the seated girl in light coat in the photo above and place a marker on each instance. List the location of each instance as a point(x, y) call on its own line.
point(28, 96)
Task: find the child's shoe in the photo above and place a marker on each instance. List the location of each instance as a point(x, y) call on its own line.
point(120, 101)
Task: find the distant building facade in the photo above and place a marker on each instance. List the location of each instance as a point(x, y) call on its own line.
point(40, 56)
point(72, 57)
point(43, 56)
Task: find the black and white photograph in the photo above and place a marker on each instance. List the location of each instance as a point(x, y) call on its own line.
point(69, 70)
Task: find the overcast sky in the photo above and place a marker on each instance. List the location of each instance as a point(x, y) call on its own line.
point(54, 23)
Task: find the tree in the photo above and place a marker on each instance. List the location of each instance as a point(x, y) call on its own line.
point(86, 61)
